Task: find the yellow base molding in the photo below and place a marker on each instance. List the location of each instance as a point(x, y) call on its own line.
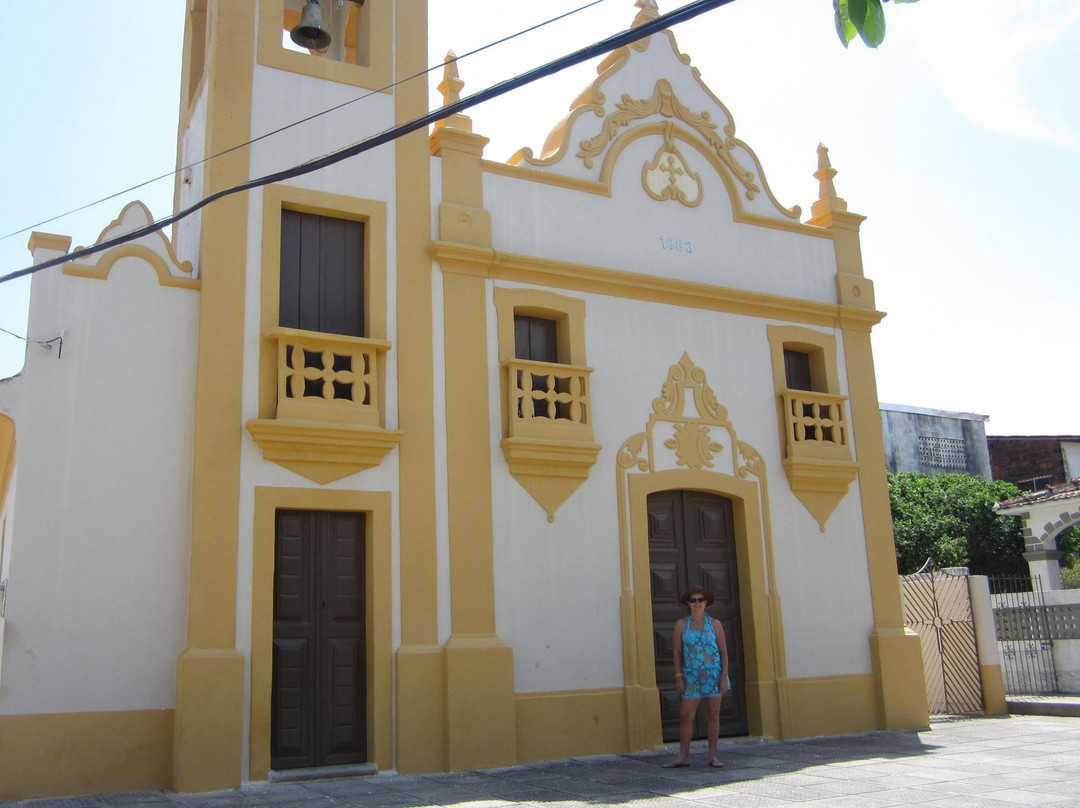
point(421, 709)
point(829, 705)
point(820, 484)
point(549, 470)
point(208, 730)
point(993, 688)
point(898, 665)
point(321, 452)
point(480, 709)
point(570, 724)
point(60, 754)
point(642, 718)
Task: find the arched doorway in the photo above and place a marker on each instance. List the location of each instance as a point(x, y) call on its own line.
point(692, 543)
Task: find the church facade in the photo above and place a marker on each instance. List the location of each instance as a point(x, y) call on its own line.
point(404, 463)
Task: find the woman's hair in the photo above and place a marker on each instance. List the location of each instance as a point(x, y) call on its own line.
point(697, 590)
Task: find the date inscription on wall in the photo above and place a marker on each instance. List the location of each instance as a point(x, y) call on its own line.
point(679, 245)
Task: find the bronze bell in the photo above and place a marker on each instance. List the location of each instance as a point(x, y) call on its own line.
point(311, 33)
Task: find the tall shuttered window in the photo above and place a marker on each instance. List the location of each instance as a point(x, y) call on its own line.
point(322, 274)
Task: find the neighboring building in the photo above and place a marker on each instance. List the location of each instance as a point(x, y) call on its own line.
point(1044, 515)
point(1035, 462)
point(405, 462)
point(934, 441)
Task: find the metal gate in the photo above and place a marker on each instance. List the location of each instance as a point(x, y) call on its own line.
point(1024, 635)
point(937, 606)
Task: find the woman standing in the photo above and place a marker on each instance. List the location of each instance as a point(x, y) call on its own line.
point(701, 673)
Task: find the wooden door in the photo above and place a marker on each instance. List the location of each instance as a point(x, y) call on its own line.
point(692, 543)
point(318, 697)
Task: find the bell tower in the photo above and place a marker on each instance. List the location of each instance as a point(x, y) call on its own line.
point(253, 102)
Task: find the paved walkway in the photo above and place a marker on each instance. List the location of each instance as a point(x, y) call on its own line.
point(985, 762)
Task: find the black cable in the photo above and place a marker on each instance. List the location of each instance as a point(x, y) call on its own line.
point(600, 48)
point(287, 126)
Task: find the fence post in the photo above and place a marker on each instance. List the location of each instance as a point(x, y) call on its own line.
point(982, 614)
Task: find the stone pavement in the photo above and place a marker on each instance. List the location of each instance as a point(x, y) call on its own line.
point(986, 762)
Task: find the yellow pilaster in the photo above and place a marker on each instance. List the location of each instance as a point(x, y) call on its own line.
point(479, 665)
point(420, 661)
point(895, 650)
point(207, 737)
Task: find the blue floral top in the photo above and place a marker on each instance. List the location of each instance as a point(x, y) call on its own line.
point(701, 661)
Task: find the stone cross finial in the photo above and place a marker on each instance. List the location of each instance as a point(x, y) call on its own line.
point(649, 11)
point(451, 85)
point(827, 197)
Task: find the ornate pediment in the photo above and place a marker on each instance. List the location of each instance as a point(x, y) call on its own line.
point(689, 422)
point(666, 101)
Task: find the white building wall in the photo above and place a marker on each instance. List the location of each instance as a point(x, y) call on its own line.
point(558, 585)
point(96, 606)
point(625, 232)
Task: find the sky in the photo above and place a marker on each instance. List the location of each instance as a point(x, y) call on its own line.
point(958, 139)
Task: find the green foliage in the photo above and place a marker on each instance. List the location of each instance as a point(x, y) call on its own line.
point(950, 517)
point(865, 18)
point(1068, 541)
point(1070, 578)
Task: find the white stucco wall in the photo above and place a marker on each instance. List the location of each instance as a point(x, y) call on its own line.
point(557, 584)
point(98, 569)
point(626, 231)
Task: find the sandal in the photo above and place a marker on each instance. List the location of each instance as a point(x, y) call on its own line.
point(716, 764)
point(676, 764)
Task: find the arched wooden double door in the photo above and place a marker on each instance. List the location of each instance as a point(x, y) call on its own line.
point(692, 543)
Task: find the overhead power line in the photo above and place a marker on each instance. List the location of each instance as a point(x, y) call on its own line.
point(600, 48)
point(280, 129)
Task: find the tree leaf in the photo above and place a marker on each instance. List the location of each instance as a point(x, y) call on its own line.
point(845, 28)
point(856, 10)
point(873, 27)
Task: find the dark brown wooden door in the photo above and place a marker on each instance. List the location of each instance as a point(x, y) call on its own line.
point(692, 543)
point(318, 695)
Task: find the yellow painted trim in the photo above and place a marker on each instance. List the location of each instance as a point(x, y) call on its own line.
point(48, 241)
point(378, 505)
point(567, 312)
point(895, 651)
point(193, 74)
point(819, 474)
point(7, 462)
point(479, 665)
point(60, 754)
point(420, 695)
point(322, 452)
point(100, 270)
point(820, 345)
point(740, 477)
point(570, 723)
point(373, 214)
point(550, 469)
point(472, 576)
point(378, 74)
point(603, 188)
point(592, 100)
point(164, 266)
point(831, 705)
point(192, 83)
point(207, 750)
point(464, 259)
point(549, 465)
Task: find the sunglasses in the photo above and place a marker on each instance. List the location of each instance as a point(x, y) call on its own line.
point(695, 600)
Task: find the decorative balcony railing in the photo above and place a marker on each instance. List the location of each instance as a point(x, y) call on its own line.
point(327, 377)
point(548, 400)
point(815, 424)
